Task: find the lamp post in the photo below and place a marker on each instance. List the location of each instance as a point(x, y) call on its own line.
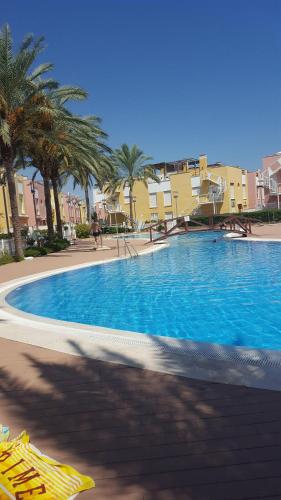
point(69, 202)
point(278, 194)
point(80, 210)
point(32, 189)
point(175, 196)
point(104, 210)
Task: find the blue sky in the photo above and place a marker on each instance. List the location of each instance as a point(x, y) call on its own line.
point(176, 77)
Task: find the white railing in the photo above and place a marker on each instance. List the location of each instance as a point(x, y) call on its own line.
point(7, 246)
point(215, 193)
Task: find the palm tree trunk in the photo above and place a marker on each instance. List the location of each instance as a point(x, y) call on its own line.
point(10, 174)
point(57, 206)
point(6, 209)
point(88, 204)
point(49, 215)
point(131, 208)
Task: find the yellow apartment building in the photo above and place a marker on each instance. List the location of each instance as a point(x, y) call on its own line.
point(5, 209)
point(186, 187)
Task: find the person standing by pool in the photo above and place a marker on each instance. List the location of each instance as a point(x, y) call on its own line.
point(96, 231)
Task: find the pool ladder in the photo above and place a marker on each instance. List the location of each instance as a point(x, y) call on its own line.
point(129, 248)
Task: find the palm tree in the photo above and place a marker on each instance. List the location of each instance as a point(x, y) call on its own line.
point(97, 165)
point(58, 141)
point(19, 87)
point(130, 166)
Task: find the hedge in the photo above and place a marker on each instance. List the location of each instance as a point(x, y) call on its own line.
point(83, 230)
point(113, 229)
point(270, 215)
point(5, 236)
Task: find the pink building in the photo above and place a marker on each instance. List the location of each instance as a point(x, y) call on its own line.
point(271, 171)
point(34, 200)
point(256, 199)
point(264, 186)
point(71, 208)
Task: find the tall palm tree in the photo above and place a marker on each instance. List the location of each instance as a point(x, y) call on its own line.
point(58, 140)
point(97, 165)
point(19, 86)
point(130, 166)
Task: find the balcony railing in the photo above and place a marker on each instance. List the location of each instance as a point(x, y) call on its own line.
point(205, 199)
point(114, 208)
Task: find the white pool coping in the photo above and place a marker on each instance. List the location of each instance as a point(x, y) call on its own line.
point(258, 368)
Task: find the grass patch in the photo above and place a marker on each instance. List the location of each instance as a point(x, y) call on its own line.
point(6, 258)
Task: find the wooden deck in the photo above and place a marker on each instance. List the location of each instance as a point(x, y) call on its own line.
point(140, 434)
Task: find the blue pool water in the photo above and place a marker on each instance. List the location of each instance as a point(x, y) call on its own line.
point(227, 292)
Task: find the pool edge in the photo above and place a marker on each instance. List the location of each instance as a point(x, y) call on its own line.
point(258, 368)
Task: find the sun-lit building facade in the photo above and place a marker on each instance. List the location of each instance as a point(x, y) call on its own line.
point(264, 185)
point(186, 187)
point(32, 209)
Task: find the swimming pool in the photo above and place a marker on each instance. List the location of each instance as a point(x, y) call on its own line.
point(227, 292)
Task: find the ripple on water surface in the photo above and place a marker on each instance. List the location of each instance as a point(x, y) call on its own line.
point(227, 292)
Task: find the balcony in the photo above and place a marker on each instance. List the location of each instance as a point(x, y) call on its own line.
point(206, 199)
point(113, 208)
point(209, 176)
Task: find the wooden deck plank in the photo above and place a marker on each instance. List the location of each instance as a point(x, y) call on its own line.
point(144, 435)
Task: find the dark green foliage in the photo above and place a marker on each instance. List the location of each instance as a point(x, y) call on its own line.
point(54, 245)
point(24, 231)
point(5, 236)
point(270, 215)
point(5, 258)
point(57, 244)
point(34, 251)
point(94, 216)
point(113, 230)
point(83, 230)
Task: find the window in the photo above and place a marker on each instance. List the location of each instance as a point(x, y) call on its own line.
point(167, 198)
point(244, 192)
point(195, 191)
point(232, 203)
point(232, 192)
point(153, 200)
point(154, 217)
point(168, 215)
point(195, 181)
point(126, 200)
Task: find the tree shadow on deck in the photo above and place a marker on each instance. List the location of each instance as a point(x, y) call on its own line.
point(148, 435)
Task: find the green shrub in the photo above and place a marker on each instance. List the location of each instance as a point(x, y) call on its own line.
point(83, 230)
point(49, 250)
point(6, 258)
point(270, 215)
point(5, 236)
point(35, 251)
point(57, 244)
point(24, 231)
point(113, 229)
